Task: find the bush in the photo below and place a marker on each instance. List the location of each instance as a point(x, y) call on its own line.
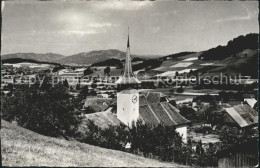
point(46, 110)
point(180, 90)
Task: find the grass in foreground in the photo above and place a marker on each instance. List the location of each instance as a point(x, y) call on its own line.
point(22, 147)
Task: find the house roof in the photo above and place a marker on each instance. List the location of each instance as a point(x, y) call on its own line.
point(98, 104)
point(243, 115)
point(250, 101)
point(155, 109)
point(102, 119)
point(151, 97)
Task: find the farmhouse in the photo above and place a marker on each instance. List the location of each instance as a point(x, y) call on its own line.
point(97, 104)
point(241, 116)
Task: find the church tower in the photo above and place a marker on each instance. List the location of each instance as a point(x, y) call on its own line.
point(128, 99)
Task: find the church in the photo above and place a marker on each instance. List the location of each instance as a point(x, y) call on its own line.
point(133, 104)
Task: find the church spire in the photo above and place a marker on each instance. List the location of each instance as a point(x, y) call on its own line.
point(128, 62)
point(128, 44)
point(128, 75)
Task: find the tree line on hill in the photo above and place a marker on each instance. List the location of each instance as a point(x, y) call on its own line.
point(45, 109)
point(250, 41)
point(157, 142)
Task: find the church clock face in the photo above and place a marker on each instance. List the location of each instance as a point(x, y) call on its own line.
point(134, 99)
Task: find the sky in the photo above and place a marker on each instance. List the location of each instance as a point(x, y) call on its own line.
point(156, 28)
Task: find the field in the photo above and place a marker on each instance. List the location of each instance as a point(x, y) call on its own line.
point(21, 147)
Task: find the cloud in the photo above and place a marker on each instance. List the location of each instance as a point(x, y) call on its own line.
point(246, 17)
point(101, 25)
point(79, 32)
point(122, 5)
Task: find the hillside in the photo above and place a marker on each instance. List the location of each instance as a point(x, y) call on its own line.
point(48, 57)
point(21, 147)
point(234, 46)
point(98, 56)
point(22, 60)
point(245, 63)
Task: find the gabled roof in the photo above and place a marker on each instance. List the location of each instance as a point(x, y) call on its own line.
point(243, 115)
point(151, 97)
point(154, 109)
point(98, 104)
point(250, 101)
point(103, 119)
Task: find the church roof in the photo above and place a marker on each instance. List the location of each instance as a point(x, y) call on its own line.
point(154, 109)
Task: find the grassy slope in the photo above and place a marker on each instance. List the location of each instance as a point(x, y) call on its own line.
point(21, 147)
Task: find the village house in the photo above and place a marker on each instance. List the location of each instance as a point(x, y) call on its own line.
point(97, 104)
point(241, 116)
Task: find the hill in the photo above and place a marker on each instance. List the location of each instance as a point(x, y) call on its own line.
point(48, 57)
point(21, 147)
point(109, 62)
point(244, 63)
point(176, 55)
point(20, 60)
point(98, 56)
point(250, 41)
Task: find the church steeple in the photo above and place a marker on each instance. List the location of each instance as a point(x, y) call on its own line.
point(128, 44)
point(128, 72)
point(128, 76)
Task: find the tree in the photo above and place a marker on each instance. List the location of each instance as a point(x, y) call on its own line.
point(57, 68)
point(176, 73)
point(47, 110)
point(84, 91)
point(93, 85)
point(199, 148)
point(78, 86)
point(188, 113)
point(107, 71)
point(173, 102)
point(180, 90)
point(65, 83)
point(88, 71)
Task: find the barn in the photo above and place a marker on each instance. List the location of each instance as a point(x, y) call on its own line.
point(241, 116)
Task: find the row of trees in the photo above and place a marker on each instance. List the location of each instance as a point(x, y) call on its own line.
point(46, 109)
point(160, 142)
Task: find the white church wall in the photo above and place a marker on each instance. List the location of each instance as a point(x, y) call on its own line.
point(182, 130)
point(128, 107)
